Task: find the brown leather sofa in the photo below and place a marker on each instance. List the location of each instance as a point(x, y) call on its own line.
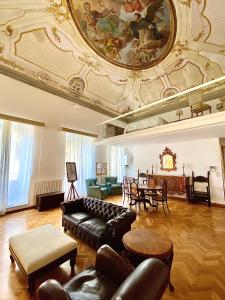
point(111, 278)
point(97, 222)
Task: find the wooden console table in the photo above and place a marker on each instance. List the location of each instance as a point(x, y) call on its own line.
point(178, 186)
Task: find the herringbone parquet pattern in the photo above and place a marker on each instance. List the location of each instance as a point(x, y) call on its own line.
point(198, 234)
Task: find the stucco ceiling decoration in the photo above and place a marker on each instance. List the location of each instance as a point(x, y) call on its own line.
point(40, 44)
point(131, 34)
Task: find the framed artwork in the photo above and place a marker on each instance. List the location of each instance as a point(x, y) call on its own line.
point(167, 160)
point(133, 34)
point(71, 171)
point(101, 168)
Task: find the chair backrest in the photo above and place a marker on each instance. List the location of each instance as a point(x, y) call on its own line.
point(111, 179)
point(164, 189)
point(143, 176)
point(151, 180)
point(126, 183)
point(91, 182)
point(134, 189)
point(202, 181)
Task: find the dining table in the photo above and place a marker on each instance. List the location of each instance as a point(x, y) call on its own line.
point(149, 190)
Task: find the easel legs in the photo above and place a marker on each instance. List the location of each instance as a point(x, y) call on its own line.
point(72, 194)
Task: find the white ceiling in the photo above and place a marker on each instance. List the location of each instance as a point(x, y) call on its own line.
point(40, 44)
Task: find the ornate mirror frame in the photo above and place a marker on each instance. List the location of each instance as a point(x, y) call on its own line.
point(166, 153)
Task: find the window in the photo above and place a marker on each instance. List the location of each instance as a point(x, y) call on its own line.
point(81, 150)
point(16, 159)
point(117, 161)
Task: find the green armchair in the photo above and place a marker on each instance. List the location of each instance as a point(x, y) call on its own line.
point(94, 190)
point(114, 187)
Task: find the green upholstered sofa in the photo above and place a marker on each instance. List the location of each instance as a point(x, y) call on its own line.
point(114, 187)
point(94, 190)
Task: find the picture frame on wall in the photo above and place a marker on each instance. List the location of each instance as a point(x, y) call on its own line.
point(101, 168)
point(71, 171)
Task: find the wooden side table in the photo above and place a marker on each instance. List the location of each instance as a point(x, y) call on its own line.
point(141, 244)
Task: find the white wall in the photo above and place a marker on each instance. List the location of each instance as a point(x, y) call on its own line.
point(24, 101)
point(197, 155)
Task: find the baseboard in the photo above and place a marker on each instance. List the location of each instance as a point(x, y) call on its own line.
point(16, 209)
point(218, 205)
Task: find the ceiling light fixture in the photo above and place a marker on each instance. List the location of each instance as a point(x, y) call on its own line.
point(195, 88)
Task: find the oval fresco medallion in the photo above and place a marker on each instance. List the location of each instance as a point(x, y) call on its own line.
point(133, 34)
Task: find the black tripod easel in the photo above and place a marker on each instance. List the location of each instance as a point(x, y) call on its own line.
point(72, 194)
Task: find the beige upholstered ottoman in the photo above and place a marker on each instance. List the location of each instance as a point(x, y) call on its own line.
point(41, 249)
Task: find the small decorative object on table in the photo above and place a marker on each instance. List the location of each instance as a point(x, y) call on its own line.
point(183, 169)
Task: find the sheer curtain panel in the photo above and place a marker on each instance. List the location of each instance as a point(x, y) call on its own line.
point(81, 150)
point(117, 161)
point(21, 162)
point(16, 161)
point(4, 163)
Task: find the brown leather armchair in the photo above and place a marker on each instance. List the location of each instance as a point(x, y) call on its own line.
point(111, 278)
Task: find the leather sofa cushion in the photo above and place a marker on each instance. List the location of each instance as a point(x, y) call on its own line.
point(95, 226)
point(90, 285)
point(80, 217)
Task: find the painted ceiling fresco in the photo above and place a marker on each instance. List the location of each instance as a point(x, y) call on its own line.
point(134, 34)
point(40, 44)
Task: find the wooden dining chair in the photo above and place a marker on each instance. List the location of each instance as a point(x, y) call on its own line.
point(150, 193)
point(126, 188)
point(136, 196)
point(160, 199)
point(200, 189)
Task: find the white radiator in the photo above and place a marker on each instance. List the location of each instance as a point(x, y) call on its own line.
point(49, 186)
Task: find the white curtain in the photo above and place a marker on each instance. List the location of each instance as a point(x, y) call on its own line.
point(81, 150)
point(4, 163)
point(16, 161)
point(117, 161)
point(21, 163)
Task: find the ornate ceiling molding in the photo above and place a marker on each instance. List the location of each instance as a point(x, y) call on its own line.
point(198, 47)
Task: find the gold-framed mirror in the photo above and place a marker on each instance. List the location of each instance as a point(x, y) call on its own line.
point(167, 160)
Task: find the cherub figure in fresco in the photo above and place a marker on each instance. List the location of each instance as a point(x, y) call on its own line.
point(132, 5)
point(91, 18)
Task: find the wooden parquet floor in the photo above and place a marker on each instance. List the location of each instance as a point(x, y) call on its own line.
point(197, 232)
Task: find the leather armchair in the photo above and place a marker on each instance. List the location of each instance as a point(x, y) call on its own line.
point(111, 278)
point(94, 190)
point(114, 187)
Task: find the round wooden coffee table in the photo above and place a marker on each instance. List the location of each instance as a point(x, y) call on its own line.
point(141, 244)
